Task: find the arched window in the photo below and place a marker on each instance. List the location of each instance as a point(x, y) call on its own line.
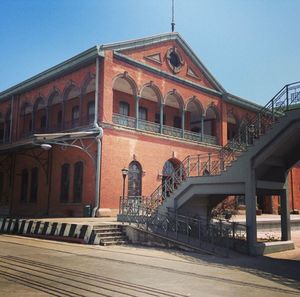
point(91, 111)
point(75, 116)
point(232, 127)
point(65, 182)
point(134, 179)
point(124, 108)
point(169, 170)
point(2, 187)
point(7, 126)
point(43, 122)
point(59, 119)
point(143, 113)
point(24, 185)
point(210, 121)
point(34, 184)
point(78, 181)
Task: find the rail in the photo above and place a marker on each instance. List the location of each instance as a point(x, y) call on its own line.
point(197, 232)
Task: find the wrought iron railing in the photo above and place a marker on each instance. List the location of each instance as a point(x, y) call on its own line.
point(200, 137)
point(213, 164)
point(172, 131)
point(193, 231)
point(166, 130)
point(149, 126)
point(124, 120)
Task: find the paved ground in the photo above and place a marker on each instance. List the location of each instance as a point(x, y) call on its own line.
point(34, 267)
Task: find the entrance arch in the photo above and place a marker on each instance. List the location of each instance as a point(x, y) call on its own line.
point(134, 179)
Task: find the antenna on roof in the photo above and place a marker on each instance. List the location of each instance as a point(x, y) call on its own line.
point(173, 23)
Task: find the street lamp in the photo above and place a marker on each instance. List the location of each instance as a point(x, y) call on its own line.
point(124, 174)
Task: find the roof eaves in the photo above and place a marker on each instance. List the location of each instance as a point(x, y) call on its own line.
point(70, 64)
point(141, 42)
point(236, 100)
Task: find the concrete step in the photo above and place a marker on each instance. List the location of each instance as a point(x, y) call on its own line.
point(118, 242)
point(113, 238)
point(109, 234)
point(107, 228)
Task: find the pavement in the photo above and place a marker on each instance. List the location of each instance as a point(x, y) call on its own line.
point(34, 267)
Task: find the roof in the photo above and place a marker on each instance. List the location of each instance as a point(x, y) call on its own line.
point(90, 54)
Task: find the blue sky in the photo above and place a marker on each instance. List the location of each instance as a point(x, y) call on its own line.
point(252, 47)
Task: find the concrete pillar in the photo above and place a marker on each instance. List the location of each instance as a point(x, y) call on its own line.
point(137, 104)
point(285, 215)
point(161, 118)
point(250, 197)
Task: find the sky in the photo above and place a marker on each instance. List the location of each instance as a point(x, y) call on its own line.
point(251, 47)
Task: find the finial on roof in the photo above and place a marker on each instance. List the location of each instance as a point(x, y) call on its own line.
point(173, 23)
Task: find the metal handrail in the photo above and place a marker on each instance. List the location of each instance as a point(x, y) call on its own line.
point(192, 230)
point(214, 164)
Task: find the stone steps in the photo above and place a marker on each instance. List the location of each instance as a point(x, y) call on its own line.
point(110, 235)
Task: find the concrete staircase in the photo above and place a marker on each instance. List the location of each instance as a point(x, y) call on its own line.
point(110, 234)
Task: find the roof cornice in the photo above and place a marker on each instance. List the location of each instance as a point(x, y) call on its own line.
point(75, 62)
point(165, 74)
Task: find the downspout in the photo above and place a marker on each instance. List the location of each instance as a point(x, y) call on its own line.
point(98, 140)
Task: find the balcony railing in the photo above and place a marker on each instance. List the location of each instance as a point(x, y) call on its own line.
point(167, 130)
point(60, 127)
point(149, 126)
point(200, 137)
point(172, 131)
point(124, 120)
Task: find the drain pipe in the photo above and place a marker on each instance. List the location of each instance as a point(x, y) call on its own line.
point(98, 141)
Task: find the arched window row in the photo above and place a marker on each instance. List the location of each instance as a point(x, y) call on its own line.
point(29, 185)
point(190, 122)
point(64, 115)
point(68, 193)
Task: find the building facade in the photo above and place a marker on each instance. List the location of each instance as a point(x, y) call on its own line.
point(155, 102)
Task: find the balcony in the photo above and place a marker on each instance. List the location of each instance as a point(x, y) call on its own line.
point(130, 122)
point(65, 126)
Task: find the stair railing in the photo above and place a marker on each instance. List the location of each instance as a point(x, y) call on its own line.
point(213, 164)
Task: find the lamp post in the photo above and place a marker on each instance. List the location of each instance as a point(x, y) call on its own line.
point(124, 174)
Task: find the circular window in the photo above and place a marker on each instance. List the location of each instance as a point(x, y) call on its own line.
point(174, 60)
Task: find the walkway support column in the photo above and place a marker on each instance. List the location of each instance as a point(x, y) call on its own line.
point(285, 215)
point(250, 197)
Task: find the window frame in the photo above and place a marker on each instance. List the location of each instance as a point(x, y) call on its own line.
point(65, 183)
point(78, 182)
point(34, 182)
point(123, 104)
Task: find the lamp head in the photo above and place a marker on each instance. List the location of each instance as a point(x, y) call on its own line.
point(124, 172)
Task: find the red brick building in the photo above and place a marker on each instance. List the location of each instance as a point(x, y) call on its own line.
point(156, 103)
